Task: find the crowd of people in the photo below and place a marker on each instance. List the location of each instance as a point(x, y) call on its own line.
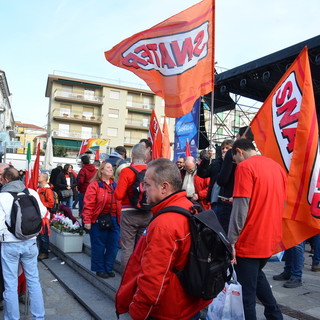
point(245, 190)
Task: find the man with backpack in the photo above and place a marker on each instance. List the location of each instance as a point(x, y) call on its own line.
point(150, 288)
point(14, 249)
point(118, 160)
point(133, 219)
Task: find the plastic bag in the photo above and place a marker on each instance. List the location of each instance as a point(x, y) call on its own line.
point(228, 304)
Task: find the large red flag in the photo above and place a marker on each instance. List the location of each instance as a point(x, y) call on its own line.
point(286, 129)
point(155, 136)
point(175, 57)
point(188, 150)
point(33, 182)
point(165, 150)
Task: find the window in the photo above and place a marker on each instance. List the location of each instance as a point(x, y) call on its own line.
point(114, 94)
point(65, 110)
point(220, 131)
point(127, 136)
point(129, 100)
point(87, 112)
point(66, 91)
point(145, 122)
point(147, 102)
point(112, 132)
point(89, 94)
point(64, 130)
point(86, 132)
point(113, 113)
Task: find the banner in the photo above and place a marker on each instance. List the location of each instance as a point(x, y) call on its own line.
point(175, 57)
point(155, 135)
point(33, 182)
point(286, 130)
point(186, 130)
point(165, 149)
point(92, 144)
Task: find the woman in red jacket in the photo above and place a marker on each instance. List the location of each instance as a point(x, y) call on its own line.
point(99, 199)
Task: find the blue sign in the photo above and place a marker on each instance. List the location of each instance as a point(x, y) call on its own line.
point(187, 128)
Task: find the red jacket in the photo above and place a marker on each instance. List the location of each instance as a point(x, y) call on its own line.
point(125, 183)
point(201, 186)
point(149, 287)
point(46, 196)
point(86, 174)
point(97, 198)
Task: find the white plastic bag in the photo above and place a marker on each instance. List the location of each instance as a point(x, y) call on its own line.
point(228, 304)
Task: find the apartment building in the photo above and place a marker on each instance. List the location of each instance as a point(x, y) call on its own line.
point(81, 109)
point(27, 132)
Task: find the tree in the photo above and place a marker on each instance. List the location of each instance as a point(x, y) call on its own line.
point(59, 151)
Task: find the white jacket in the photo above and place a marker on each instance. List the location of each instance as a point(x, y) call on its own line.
point(6, 201)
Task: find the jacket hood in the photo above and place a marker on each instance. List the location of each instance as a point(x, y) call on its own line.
point(90, 167)
point(13, 186)
point(114, 155)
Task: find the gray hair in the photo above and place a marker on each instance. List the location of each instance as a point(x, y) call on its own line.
point(139, 152)
point(166, 170)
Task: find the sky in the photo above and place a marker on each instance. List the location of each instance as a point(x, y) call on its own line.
point(69, 37)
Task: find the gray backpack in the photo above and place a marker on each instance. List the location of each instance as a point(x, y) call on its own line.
point(25, 219)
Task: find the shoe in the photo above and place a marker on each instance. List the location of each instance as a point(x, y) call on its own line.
point(22, 298)
point(315, 267)
point(293, 283)
point(103, 275)
point(43, 256)
point(111, 274)
point(281, 277)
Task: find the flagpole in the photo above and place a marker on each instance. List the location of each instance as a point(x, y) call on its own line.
point(212, 93)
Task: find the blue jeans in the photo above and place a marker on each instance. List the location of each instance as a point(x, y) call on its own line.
point(255, 284)
point(316, 248)
point(294, 259)
point(80, 199)
point(43, 242)
point(104, 246)
point(68, 202)
point(223, 213)
point(26, 252)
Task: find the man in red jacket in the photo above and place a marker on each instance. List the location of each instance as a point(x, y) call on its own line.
point(132, 221)
point(85, 176)
point(150, 289)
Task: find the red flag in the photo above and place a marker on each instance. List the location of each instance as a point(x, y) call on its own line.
point(188, 150)
point(97, 155)
point(33, 183)
point(165, 150)
point(155, 135)
point(175, 57)
point(286, 129)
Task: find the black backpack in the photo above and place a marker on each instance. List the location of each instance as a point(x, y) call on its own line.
point(25, 219)
point(138, 198)
point(206, 271)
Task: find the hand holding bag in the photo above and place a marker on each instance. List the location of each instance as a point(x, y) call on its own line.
point(228, 304)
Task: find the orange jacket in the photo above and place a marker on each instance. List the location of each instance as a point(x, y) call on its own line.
point(149, 287)
point(201, 186)
point(46, 196)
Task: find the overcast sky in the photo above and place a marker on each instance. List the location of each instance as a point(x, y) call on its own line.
point(41, 37)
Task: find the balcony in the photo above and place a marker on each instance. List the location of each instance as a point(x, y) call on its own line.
point(60, 95)
point(76, 135)
point(141, 108)
point(137, 125)
point(76, 117)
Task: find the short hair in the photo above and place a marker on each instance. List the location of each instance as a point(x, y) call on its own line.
point(247, 131)
point(202, 154)
point(10, 174)
point(45, 175)
point(243, 144)
point(166, 170)
point(85, 159)
point(121, 150)
point(139, 151)
point(147, 142)
point(227, 142)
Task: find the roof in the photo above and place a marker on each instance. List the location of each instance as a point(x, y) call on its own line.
point(29, 126)
point(257, 78)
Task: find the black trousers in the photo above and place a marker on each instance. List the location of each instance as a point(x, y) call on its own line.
point(255, 284)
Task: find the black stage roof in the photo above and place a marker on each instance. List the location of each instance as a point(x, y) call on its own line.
point(257, 78)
